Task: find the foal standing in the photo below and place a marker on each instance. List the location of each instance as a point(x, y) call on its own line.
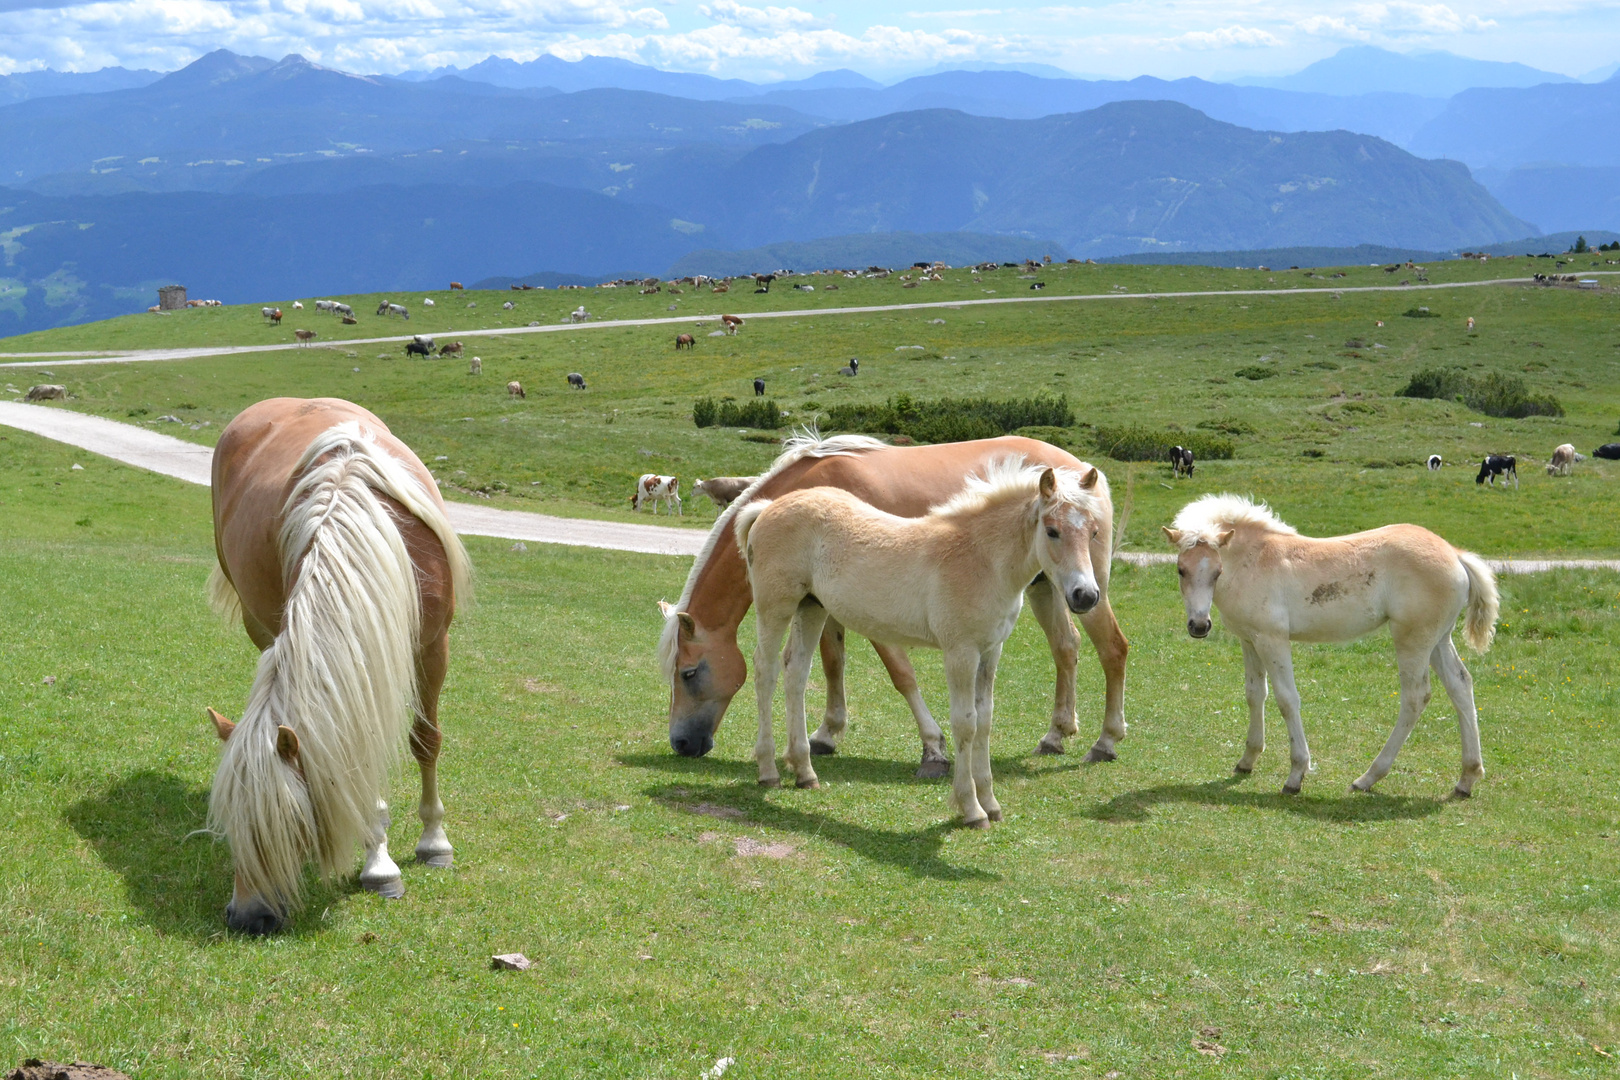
point(953, 580)
point(1273, 585)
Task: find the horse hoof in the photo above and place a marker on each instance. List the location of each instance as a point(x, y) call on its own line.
point(1459, 793)
point(1243, 771)
point(977, 823)
point(1097, 753)
point(1290, 789)
point(1049, 745)
point(819, 748)
point(1358, 788)
point(440, 860)
point(809, 785)
point(774, 781)
point(933, 769)
point(388, 888)
point(995, 815)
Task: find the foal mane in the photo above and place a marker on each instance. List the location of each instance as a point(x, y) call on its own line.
point(1011, 477)
point(1210, 515)
point(806, 442)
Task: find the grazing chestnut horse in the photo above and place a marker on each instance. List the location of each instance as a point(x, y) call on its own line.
point(698, 649)
point(952, 579)
point(1274, 586)
point(335, 551)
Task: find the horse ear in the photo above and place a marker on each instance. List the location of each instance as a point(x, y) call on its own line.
point(1048, 484)
point(1172, 535)
point(688, 626)
point(222, 726)
point(665, 608)
point(287, 744)
point(1222, 539)
point(1089, 480)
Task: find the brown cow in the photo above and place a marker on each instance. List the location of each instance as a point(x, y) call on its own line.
point(733, 323)
point(456, 285)
point(515, 388)
point(304, 336)
point(450, 347)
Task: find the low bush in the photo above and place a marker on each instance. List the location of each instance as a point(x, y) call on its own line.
point(1255, 372)
point(754, 413)
point(1135, 442)
point(1419, 313)
point(950, 419)
point(1494, 394)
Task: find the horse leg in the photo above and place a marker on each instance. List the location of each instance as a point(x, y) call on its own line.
point(984, 708)
point(1279, 662)
point(1254, 689)
point(934, 763)
point(1460, 688)
point(801, 652)
point(836, 717)
point(961, 675)
point(1413, 662)
point(1112, 648)
point(433, 848)
point(767, 663)
point(1053, 615)
point(380, 874)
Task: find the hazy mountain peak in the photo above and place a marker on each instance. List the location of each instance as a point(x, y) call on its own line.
point(1367, 69)
point(212, 69)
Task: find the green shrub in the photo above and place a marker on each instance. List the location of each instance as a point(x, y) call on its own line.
point(1494, 394)
point(950, 419)
point(754, 413)
point(1419, 313)
point(1255, 372)
point(1135, 442)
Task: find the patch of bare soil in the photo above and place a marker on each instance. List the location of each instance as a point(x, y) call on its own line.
point(35, 1069)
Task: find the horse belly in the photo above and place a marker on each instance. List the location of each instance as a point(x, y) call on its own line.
point(884, 615)
point(1343, 618)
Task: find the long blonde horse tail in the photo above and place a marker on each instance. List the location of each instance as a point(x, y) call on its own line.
point(1483, 602)
point(341, 674)
point(743, 524)
point(222, 596)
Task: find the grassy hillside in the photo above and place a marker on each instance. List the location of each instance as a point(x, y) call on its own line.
point(1304, 384)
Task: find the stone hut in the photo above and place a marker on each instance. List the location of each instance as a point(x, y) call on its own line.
point(172, 298)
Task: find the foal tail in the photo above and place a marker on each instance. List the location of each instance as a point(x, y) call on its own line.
point(341, 674)
point(1483, 602)
point(743, 524)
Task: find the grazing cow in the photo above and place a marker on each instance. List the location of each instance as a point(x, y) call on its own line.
point(343, 309)
point(509, 306)
point(657, 489)
point(1608, 451)
point(427, 301)
point(450, 347)
point(325, 305)
point(455, 285)
point(46, 392)
point(275, 316)
point(266, 312)
point(759, 387)
point(852, 369)
point(576, 380)
point(515, 389)
point(298, 305)
point(1181, 461)
point(475, 366)
point(1494, 465)
point(722, 490)
point(304, 336)
point(731, 323)
point(1435, 463)
point(1470, 322)
point(385, 308)
point(1563, 461)
point(419, 348)
point(579, 314)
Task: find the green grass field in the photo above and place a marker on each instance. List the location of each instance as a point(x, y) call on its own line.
point(1122, 911)
point(676, 913)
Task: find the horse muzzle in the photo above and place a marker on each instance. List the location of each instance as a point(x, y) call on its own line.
point(693, 735)
point(1083, 598)
point(253, 917)
point(1198, 628)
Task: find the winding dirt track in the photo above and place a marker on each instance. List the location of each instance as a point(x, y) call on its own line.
point(194, 464)
point(72, 359)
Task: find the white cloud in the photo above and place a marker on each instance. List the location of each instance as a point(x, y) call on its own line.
point(768, 20)
point(1227, 37)
point(968, 13)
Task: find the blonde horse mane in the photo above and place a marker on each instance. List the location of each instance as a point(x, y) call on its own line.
point(1207, 516)
point(805, 442)
point(1011, 477)
point(341, 674)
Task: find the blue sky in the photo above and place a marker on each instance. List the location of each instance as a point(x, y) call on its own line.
point(763, 41)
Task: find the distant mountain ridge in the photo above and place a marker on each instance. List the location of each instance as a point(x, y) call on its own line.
point(23, 85)
point(1367, 69)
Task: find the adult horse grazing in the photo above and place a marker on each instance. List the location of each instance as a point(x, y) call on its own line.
point(698, 650)
point(953, 579)
point(1273, 585)
point(335, 551)
point(685, 341)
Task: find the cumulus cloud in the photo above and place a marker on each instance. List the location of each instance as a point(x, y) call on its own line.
point(1227, 37)
point(768, 20)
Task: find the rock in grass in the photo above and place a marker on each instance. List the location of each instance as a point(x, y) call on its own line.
point(35, 1069)
point(511, 961)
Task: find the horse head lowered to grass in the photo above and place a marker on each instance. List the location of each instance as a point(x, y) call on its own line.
point(335, 552)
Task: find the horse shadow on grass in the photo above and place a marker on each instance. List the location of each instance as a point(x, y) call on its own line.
point(1138, 805)
point(917, 852)
point(845, 768)
point(144, 829)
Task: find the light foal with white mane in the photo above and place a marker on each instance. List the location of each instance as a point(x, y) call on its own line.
point(335, 552)
point(698, 650)
point(953, 579)
point(1274, 586)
